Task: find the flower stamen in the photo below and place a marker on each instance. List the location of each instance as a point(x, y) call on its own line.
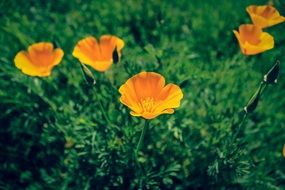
point(147, 104)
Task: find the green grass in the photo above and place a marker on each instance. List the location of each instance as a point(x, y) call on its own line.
point(54, 136)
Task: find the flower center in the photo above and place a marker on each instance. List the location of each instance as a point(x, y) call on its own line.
point(147, 104)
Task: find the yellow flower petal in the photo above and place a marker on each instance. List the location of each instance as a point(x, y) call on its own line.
point(250, 33)
point(58, 54)
point(252, 40)
point(145, 82)
point(87, 51)
point(135, 114)
point(170, 97)
point(40, 47)
point(267, 43)
point(98, 55)
point(264, 16)
point(39, 60)
point(23, 63)
point(108, 44)
point(146, 95)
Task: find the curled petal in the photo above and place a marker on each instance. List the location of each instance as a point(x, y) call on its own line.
point(88, 52)
point(98, 55)
point(108, 44)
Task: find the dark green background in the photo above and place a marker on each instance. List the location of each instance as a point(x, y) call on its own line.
point(53, 134)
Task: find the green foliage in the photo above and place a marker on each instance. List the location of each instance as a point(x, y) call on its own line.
point(54, 135)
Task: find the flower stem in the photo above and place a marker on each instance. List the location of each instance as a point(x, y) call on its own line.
point(146, 125)
point(263, 86)
point(102, 108)
point(261, 89)
point(240, 125)
point(142, 137)
point(90, 81)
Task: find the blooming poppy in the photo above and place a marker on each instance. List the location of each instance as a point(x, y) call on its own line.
point(98, 55)
point(147, 95)
point(39, 60)
point(264, 16)
point(252, 40)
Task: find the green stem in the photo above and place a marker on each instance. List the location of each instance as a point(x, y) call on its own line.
point(88, 76)
point(242, 121)
point(261, 89)
point(105, 115)
point(240, 125)
point(146, 125)
point(263, 86)
point(142, 137)
point(102, 109)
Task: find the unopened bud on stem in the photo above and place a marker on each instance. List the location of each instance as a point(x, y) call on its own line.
point(272, 75)
point(115, 56)
point(88, 75)
point(252, 104)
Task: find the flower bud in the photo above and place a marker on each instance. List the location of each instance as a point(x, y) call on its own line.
point(88, 75)
point(252, 104)
point(115, 56)
point(272, 75)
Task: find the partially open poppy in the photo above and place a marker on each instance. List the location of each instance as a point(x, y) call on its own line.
point(98, 55)
point(264, 16)
point(39, 60)
point(147, 96)
point(252, 40)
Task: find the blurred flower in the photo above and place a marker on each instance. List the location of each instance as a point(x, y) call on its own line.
point(39, 60)
point(98, 55)
point(264, 16)
point(252, 40)
point(147, 96)
point(283, 151)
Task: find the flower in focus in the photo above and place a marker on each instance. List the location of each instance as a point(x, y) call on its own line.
point(264, 16)
point(98, 55)
point(147, 95)
point(39, 60)
point(252, 40)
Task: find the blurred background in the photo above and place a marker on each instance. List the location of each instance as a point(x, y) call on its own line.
point(53, 135)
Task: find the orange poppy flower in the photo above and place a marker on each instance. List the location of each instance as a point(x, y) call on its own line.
point(283, 152)
point(264, 16)
point(98, 55)
point(252, 40)
point(147, 96)
point(39, 60)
